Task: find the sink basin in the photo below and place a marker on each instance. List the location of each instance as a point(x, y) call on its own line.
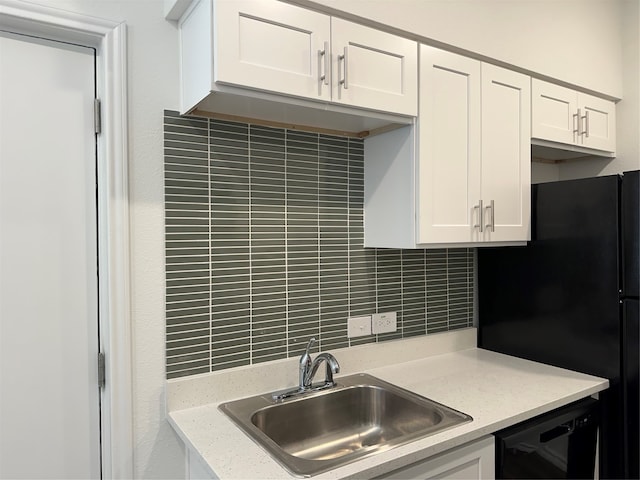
point(362, 415)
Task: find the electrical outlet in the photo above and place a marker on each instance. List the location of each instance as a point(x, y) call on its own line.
point(384, 322)
point(359, 326)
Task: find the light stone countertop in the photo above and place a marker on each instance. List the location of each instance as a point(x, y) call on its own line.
point(496, 390)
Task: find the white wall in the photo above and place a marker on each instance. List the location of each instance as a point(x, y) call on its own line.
point(576, 41)
point(544, 172)
point(530, 33)
point(627, 110)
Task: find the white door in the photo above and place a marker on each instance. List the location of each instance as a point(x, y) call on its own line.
point(506, 154)
point(274, 46)
point(49, 395)
point(373, 69)
point(449, 147)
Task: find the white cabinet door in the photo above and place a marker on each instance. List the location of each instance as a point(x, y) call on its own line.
point(598, 122)
point(554, 112)
point(274, 46)
point(373, 69)
point(449, 147)
point(474, 460)
point(506, 154)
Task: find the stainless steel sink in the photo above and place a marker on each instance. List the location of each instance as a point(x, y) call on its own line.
point(361, 416)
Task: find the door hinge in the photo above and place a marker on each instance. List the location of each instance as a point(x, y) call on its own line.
point(102, 377)
point(97, 116)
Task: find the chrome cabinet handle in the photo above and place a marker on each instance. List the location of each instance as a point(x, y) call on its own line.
point(323, 67)
point(492, 224)
point(480, 224)
point(580, 118)
point(323, 63)
point(576, 126)
point(344, 73)
point(585, 132)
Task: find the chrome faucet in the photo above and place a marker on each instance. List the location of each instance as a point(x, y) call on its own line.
point(307, 370)
point(332, 366)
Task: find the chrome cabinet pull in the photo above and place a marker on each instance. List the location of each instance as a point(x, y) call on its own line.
point(585, 132)
point(480, 223)
point(344, 73)
point(323, 67)
point(492, 224)
point(576, 126)
point(580, 118)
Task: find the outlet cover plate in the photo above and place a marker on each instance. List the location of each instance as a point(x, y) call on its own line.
point(384, 322)
point(359, 326)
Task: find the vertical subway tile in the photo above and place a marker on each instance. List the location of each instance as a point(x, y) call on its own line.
point(186, 245)
point(437, 307)
point(362, 287)
point(302, 240)
point(389, 287)
point(362, 262)
point(333, 230)
point(414, 315)
point(268, 243)
point(470, 285)
point(264, 248)
point(229, 244)
point(457, 287)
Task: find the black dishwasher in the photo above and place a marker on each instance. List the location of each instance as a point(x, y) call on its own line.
point(558, 444)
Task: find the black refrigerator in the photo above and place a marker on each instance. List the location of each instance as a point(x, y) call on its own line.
point(570, 299)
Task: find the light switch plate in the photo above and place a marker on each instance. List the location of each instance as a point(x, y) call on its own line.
point(359, 326)
point(384, 322)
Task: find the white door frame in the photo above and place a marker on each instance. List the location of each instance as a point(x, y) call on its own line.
point(109, 40)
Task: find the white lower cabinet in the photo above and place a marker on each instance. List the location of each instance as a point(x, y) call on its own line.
point(475, 460)
point(195, 469)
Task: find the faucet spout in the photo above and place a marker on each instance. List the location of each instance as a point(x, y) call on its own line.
point(332, 367)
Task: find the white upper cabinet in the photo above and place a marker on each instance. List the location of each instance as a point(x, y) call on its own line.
point(578, 120)
point(474, 155)
point(373, 69)
point(253, 50)
point(461, 177)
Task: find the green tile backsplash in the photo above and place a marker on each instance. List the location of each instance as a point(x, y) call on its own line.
point(264, 249)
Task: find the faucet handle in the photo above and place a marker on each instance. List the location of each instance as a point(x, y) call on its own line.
point(310, 344)
point(304, 364)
